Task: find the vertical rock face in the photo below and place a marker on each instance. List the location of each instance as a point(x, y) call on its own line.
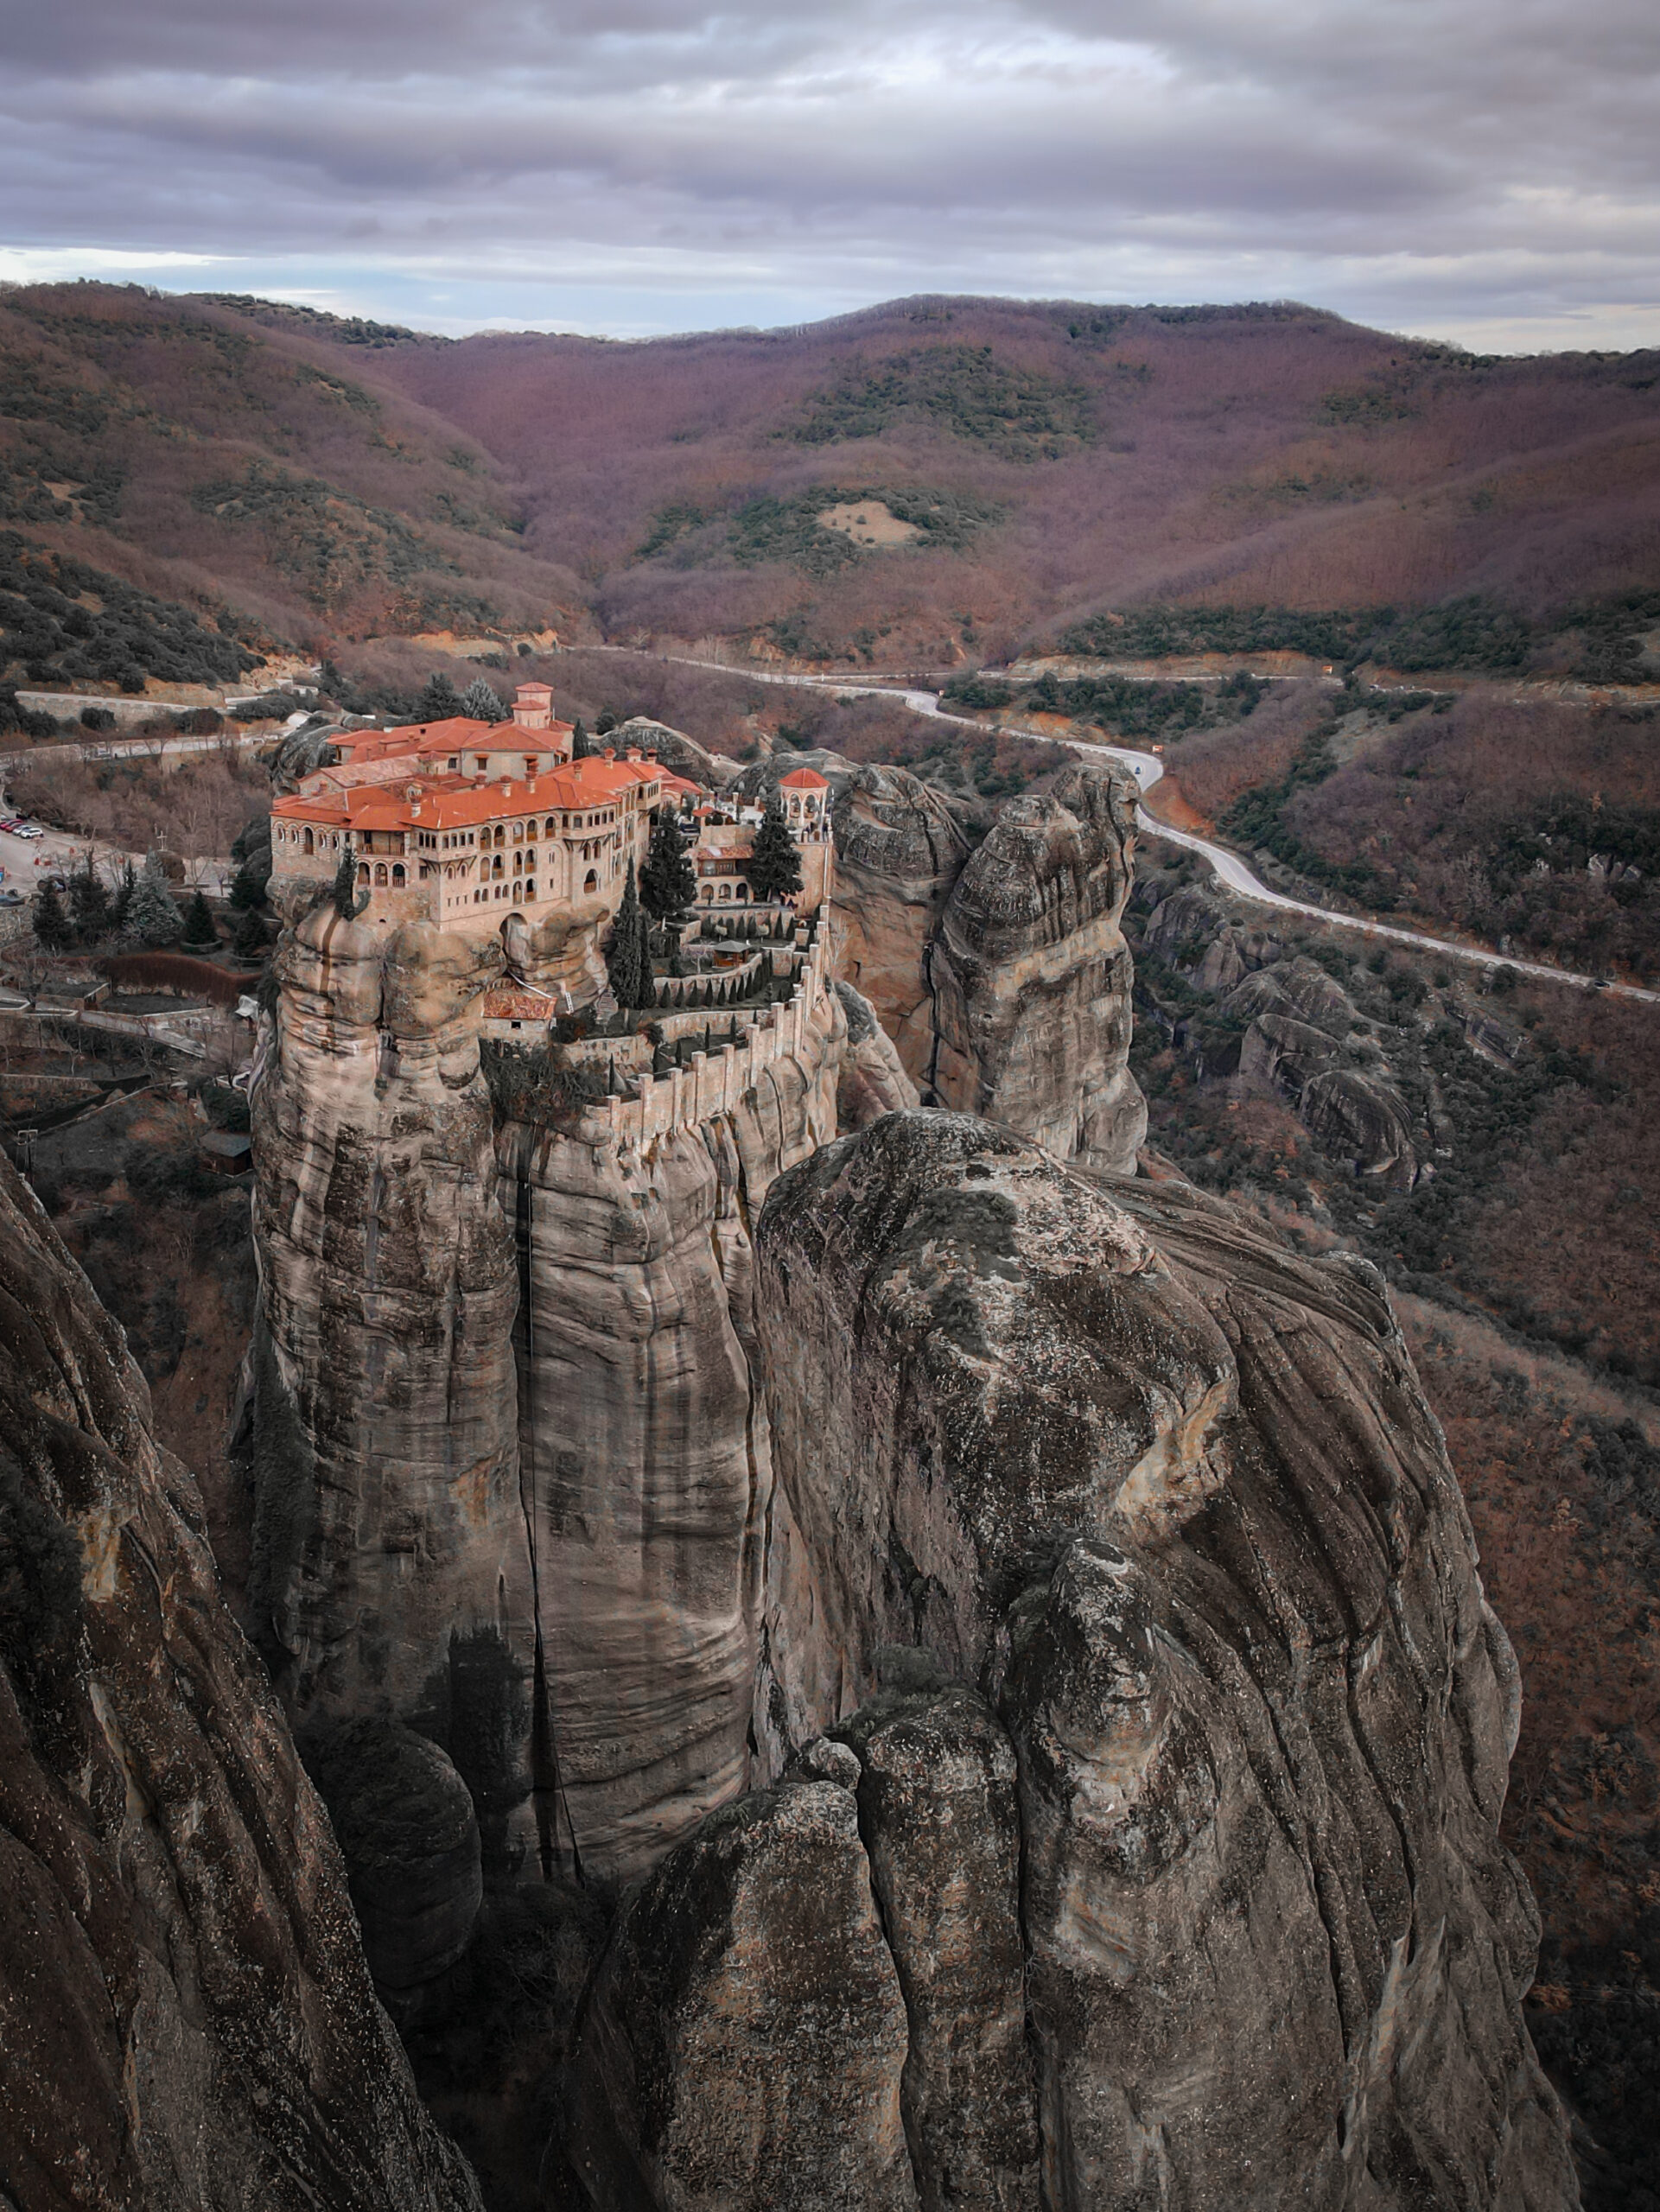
point(646, 1467)
point(899, 847)
point(1173, 1500)
point(1031, 975)
point(186, 2024)
point(388, 1521)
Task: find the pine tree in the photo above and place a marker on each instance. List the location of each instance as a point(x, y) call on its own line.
point(52, 930)
point(580, 747)
point(482, 702)
point(629, 950)
point(439, 700)
point(198, 929)
point(251, 880)
point(89, 903)
point(775, 862)
point(667, 885)
point(606, 724)
point(152, 914)
point(251, 938)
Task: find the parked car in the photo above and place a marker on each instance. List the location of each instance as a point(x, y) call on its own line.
point(12, 898)
point(28, 830)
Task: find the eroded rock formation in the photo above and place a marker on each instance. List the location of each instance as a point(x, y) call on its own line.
point(644, 1452)
point(1031, 974)
point(384, 1416)
point(900, 845)
point(187, 2022)
point(1223, 1757)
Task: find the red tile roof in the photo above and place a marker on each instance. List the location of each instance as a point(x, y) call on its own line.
point(452, 802)
point(803, 779)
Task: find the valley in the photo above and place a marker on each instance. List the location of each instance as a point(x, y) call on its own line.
point(887, 1354)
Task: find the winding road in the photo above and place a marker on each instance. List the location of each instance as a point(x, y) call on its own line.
point(1230, 870)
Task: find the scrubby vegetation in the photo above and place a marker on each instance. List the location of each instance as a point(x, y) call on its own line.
point(195, 806)
point(967, 392)
point(64, 622)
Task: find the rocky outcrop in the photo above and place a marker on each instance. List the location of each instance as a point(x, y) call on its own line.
point(1299, 1044)
point(1031, 975)
point(384, 1430)
point(409, 1832)
point(900, 845)
point(646, 1471)
point(1227, 1745)
point(872, 1079)
point(186, 2024)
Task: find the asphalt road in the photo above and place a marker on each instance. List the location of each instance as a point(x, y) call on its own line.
point(1227, 866)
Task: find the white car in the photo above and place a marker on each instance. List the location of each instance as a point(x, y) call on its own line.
point(28, 829)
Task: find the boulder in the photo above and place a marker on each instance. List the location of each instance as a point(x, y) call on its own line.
point(406, 1825)
point(872, 1080)
point(746, 2033)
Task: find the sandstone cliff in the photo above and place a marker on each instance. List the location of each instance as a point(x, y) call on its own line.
point(646, 1474)
point(899, 847)
point(1163, 1868)
point(186, 2024)
point(1000, 970)
point(384, 1416)
point(1031, 975)
point(511, 1464)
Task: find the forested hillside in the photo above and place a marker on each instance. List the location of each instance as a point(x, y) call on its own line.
point(933, 482)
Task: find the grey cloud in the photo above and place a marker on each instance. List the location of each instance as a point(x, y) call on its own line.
point(1503, 148)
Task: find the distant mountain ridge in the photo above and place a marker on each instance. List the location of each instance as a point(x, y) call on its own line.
point(332, 479)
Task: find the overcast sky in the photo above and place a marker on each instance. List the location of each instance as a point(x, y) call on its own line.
point(1487, 170)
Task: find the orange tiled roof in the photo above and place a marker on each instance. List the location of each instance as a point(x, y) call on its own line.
point(455, 802)
point(804, 779)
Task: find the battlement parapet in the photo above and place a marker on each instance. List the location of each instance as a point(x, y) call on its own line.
point(716, 1083)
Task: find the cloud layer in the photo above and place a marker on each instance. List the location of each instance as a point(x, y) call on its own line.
point(1486, 169)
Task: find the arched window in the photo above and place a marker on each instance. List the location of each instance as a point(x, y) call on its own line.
point(518, 864)
point(496, 868)
point(310, 847)
point(380, 871)
point(530, 888)
point(518, 893)
point(363, 871)
point(549, 827)
point(726, 891)
point(519, 833)
point(399, 877)
point(708, 891)
point(590, 881)
point(743, 891)
point(501, 837)
point(530, 857)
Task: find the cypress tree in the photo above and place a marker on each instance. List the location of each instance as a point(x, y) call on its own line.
point(51, 931)
point(251, 939)
point(198, 929)
point(152, 913)
point(580, 747)
point(89, 902)
point(667, 885)
point(629, 948)
point(775, 862)
point(121, 902)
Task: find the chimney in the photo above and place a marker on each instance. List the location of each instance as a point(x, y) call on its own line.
point(651, 757)
point(632, 752)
